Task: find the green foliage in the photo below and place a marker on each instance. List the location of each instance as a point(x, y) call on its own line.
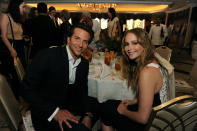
point(114, 44)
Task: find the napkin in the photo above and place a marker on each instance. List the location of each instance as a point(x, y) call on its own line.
point(106, 71)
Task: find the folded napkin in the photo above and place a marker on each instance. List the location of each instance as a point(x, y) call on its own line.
point(106, 71)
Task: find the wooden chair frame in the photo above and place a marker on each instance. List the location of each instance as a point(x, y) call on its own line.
point(171, 117)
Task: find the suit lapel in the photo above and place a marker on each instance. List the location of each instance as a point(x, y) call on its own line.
point(66, 64)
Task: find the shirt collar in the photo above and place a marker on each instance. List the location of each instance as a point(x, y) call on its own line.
point(71, 59)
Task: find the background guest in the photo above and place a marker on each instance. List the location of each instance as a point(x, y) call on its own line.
point(113, 25)
point(43, 31)
point(158, 33)
point(12, 45)
point(27, 31)
point(65, 27)
point(86, 18)
point(52, 13)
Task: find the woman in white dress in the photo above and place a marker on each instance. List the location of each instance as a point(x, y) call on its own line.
point(113, 26)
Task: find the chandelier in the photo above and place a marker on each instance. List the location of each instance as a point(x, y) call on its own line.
point(96, 6)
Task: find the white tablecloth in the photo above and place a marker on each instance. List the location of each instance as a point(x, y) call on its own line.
point(109, 87)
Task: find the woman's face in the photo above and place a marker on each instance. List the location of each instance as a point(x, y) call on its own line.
point(21, 8)
point(132, 48)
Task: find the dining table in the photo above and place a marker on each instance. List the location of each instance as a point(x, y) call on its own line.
point(106, 83)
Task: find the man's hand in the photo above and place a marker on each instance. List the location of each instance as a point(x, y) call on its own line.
point(65, 116)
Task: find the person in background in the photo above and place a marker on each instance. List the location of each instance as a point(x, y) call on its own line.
point(86, 18)
point(100, 44)
point(52, 13)
point(147, 25)
point(113, 25)
point(145, 75)
point(33, 12)
point(65, 27)
point(43, 31)
point(57, 18)
point(96, 27)
point(12, 19)
point(56, 87)
point(30, 15)
point(12, 45)
point(3, 6)
point(158, 33)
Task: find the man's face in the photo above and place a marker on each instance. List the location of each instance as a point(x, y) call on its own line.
point(52, 13)
point(78, 42)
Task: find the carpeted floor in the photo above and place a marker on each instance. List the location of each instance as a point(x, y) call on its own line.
point(183, 63)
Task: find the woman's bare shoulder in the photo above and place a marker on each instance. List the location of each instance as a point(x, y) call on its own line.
point(150, 71)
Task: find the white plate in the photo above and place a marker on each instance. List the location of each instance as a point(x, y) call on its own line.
point(91, 72)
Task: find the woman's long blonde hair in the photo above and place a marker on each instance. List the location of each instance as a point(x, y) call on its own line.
point(130, 68)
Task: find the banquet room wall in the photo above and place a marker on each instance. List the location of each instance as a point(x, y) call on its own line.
point(184, 25)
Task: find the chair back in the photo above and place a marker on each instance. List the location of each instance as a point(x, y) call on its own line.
point(9, 104)
point(164, 52)
point(19, 68)
point(178, 114)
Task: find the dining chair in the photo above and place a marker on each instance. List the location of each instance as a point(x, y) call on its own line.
point(178, 114)
point(10, 107)
point(9, 104)
point(3, 120)
point(164, 52)
point(170, 69)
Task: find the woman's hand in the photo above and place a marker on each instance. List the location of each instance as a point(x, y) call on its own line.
point(13, 53)
point(122, 108)
point(65, 116)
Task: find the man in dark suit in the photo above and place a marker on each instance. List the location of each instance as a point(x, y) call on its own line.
point(55, 85)
point(52, 13)
point(42, 30)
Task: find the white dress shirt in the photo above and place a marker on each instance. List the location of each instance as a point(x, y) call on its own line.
point(155, 34)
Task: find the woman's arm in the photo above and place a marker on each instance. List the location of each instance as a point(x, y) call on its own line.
point(147, 84)
point(4, 27)
point(129, 102)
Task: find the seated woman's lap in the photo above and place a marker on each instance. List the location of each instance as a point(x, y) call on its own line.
point(111, 117)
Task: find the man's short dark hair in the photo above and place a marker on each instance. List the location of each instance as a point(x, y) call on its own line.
point(42, 7)
point(51, 8)
point(84, 27)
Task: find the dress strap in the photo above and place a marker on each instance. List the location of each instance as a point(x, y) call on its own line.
point(153, 65)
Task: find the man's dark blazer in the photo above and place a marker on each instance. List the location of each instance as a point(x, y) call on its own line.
point(43, 32)
point(45, 85)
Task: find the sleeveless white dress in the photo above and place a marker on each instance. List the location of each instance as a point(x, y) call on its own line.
point(164, 91)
